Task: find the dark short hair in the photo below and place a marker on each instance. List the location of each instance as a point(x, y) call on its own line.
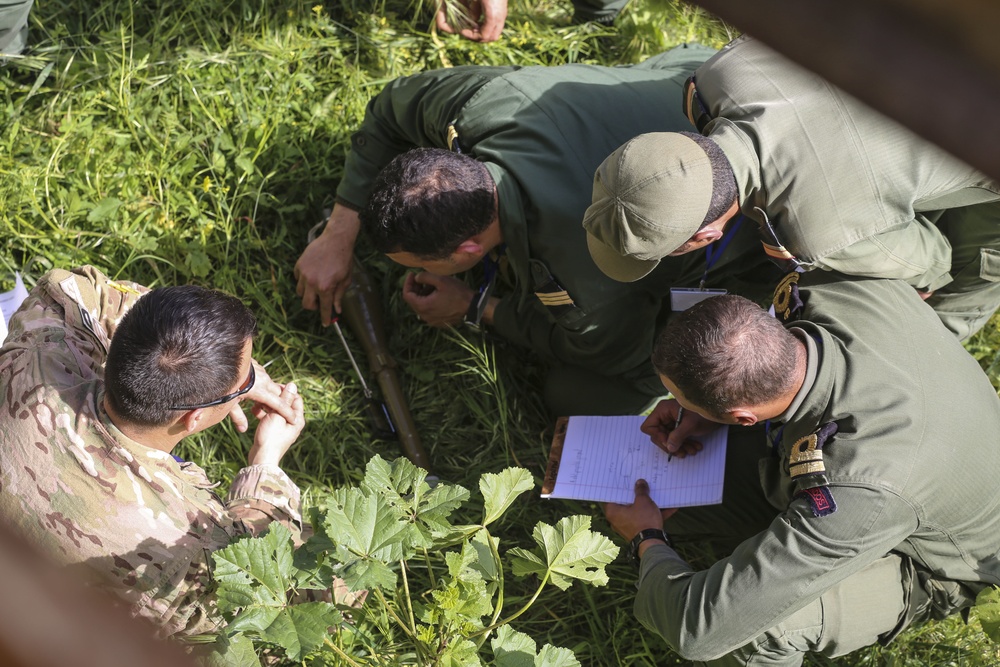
point(427, 201)
point(176, 346)
point(726, 352)
point(724, 190)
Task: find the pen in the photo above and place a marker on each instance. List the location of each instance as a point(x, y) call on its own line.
point(677, 425)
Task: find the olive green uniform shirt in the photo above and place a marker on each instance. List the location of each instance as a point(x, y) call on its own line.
point(912, 469)
point(128, 519)
point(541, 132)
point(845, 188)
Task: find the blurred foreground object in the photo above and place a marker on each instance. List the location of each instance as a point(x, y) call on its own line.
point(48, 620)
point(14, 26)
point(934, 67)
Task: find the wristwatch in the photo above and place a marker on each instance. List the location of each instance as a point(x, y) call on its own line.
point(642, 536)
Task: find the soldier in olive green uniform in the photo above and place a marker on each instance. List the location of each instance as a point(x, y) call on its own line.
point(878, 467)
point(540, 132)
point(833, 184)
point(117, 509)
point(13, 26)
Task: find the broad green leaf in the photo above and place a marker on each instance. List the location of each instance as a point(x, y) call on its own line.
point(245, 164)
point(464, 599)
point(254, 619)
point(263, 563)
point(460, 653)
point(569, 551)
point(301, 628)
point(368, 526)
point(394, 479)
point(486, 562)
point(988, 612)
point(198, 263)
point(365, 573)
point(105, 208)
point(232, 651)
point(512, 648)
point(551, 656)
point(501, 490)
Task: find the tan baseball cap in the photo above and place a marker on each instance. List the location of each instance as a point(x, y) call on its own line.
point(650, 196)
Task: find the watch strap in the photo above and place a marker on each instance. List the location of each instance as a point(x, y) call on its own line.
point(642, 536)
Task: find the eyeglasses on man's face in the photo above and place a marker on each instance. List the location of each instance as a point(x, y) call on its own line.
point(247, 386)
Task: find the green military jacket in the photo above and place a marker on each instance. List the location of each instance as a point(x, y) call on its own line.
point(911, 469)
point(131, 520)
point(845, 188)
point(542, 132)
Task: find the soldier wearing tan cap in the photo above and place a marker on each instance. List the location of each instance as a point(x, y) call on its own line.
point(832, 185)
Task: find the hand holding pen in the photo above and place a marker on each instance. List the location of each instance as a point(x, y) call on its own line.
point(663, 424)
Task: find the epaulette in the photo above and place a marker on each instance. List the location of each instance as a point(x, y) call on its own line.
point(808, 470)
point(787, 302)
point(548, 290)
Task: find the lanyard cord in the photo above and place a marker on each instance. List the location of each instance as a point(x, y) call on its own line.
point(714, 251)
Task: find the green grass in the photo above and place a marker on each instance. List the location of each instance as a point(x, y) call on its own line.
point(178, 141)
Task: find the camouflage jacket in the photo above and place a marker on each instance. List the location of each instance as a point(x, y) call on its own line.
point(130, 520)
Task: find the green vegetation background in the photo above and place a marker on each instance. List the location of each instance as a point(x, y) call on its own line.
point(197, 141)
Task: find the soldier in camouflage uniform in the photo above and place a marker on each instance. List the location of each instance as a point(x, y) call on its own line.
point(875, 474)
point(99, 385)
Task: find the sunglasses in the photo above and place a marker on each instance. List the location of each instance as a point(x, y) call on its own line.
point(247, 386)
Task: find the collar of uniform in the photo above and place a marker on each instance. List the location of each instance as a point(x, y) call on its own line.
point(738, 145)
point(513, 228)
point(814, 407)
point(813, 355)
point(123, 446)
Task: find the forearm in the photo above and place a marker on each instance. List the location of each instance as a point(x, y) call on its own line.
point(708, 613)
point(261, 494)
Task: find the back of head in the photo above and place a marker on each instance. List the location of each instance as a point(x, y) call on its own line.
point(650, 196)
point(427, 201)
point(176, 346)
point(726, 352)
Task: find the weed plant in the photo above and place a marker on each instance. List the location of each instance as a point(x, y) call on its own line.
point(184, 141)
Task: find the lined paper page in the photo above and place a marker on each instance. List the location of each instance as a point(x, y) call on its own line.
point(602, 458)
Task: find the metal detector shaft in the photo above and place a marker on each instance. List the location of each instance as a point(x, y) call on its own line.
point(350, 356)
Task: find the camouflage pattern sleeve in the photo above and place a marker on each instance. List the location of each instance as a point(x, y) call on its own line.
point(261, 494)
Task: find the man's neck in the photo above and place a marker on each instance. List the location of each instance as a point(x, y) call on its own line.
point(154, 438)
point(785, 401)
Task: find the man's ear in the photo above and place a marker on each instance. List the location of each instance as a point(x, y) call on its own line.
point(743, 416)
point(707, 235)
point(471, 246)
point(192, 420)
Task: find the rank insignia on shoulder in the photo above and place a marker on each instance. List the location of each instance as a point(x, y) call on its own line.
point(787, 302)
point(552, 295)
point(806, 457)
point(123, 288)
point(820, 500)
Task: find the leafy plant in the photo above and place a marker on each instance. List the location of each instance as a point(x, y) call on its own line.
point(434, 589)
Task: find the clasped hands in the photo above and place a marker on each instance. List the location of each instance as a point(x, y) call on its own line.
point(280, 411)
point(440, 301)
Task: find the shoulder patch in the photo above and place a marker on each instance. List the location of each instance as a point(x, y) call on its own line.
point(787, 302)
point(820, 500)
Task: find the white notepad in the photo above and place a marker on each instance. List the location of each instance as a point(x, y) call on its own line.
point(602, 457)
